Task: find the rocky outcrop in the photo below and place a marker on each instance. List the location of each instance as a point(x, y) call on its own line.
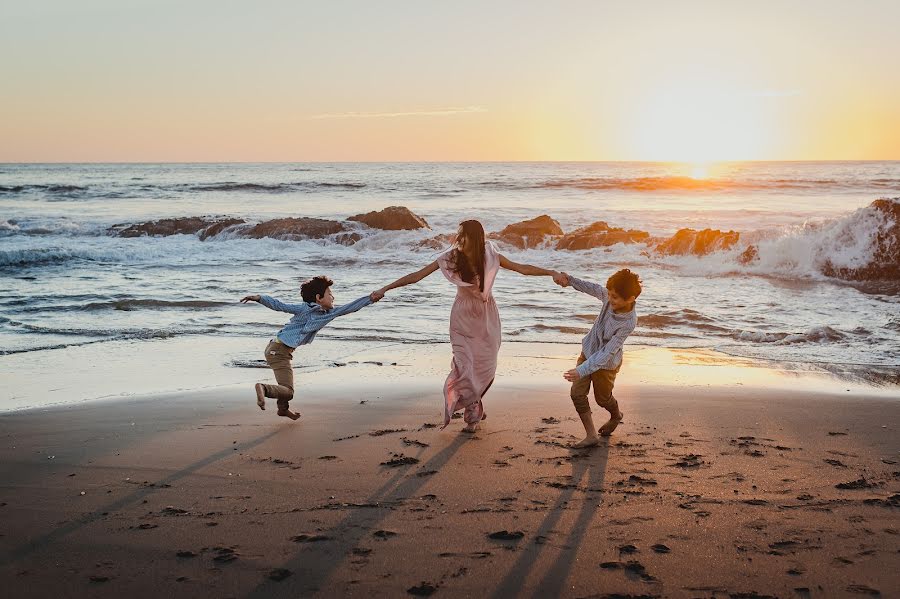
point(884, 260)
point(599, 234)
point(392, 218)
point(190, 225)
point(295, 228)
point(529, 233)
point(697, 243)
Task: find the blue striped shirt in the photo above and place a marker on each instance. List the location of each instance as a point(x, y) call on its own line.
point(308, 319)
point(602, 346)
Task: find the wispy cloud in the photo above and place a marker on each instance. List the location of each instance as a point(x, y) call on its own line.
point(392, 115)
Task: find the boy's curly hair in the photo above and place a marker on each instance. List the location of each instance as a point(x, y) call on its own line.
point(625, 283)
point(315, 287)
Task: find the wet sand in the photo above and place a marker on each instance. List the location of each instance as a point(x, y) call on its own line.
point(706, 490)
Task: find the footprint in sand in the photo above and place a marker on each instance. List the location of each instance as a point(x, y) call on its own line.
point(423, 589)
point(505, 535)
point(279, 574)
point(304, 538)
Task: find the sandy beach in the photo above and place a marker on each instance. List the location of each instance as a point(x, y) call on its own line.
point(753, 483)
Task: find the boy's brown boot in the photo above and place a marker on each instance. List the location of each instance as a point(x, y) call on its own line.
point(615, 417)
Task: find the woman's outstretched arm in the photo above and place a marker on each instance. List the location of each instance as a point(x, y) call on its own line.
point(411, 278)
point(528, 269)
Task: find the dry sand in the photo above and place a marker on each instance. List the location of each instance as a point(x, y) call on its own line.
point(704, 491)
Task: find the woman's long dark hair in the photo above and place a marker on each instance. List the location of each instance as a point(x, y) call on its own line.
point(470, 270)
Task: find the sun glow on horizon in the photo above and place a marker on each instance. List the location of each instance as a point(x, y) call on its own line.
point(699, 124)
point(699, 171)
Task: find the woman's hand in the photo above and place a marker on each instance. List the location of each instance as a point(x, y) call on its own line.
point(561, 279)
point(571, 375)
point(376, 295)
point(250, 298)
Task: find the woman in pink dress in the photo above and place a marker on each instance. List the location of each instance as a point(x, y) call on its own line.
point(472, 266)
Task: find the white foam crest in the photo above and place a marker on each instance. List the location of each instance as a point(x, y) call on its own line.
point(802, 251)
point(847, 242)
point(819, 334)
point(8, 227)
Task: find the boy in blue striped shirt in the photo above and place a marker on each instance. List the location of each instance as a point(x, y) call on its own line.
point(601, 349)
point(316, 311)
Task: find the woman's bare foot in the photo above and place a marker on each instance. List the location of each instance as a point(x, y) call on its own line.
point(288, 414)
point(588, 441)
point(470, 428)
point(260, 396)
point(611, 424)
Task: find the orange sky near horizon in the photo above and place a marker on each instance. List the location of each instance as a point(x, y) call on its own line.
point(404, 81)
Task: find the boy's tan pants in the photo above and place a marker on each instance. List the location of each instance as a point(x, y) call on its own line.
point(278, 357)
point(602, 381)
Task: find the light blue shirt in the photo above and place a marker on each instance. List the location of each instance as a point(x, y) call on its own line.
point(602, 346)
point(309, 318)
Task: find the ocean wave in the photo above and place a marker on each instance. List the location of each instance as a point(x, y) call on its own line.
point(272, 187)
point(130, 304)
point(53, 189)
point(820, 334)
point(685, 183)
point(117, 333)
point(861, 246)
point(551, 328)
point(680, 318)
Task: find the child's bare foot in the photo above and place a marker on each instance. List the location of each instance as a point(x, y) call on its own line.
point(471, 428)
point(588, 441)
point(611, 424)
point(288, 414)
point(260, 396)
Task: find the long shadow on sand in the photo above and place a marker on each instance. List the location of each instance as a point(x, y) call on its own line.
point(588, 475)
point(317, 566)
point(55, 535)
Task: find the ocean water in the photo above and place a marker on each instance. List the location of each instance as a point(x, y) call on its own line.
point(67, 281)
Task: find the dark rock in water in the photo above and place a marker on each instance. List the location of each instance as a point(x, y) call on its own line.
point(296, 228)
point(697, 243)
point(392, 218)
point(438, 242)
point(884, 262)
point(529, 233)
point(751, 254)
point(599, 234)
point(190, 225)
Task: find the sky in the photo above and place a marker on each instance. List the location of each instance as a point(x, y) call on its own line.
point(279, 80)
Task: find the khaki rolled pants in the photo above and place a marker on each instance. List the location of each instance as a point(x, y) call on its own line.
point(602, 381)
point(278, 357)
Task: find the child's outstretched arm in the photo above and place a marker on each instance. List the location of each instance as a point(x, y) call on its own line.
point(529, 270)
point(599, 357)
point(594, 289)
point(413, 277)
point(317, 320)
point(273, 304)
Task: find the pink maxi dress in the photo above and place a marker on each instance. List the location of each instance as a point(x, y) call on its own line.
point(475, 337)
